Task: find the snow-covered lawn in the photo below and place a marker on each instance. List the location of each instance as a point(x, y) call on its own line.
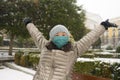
point(107, 60)
point(103, 53)
point(10, 74)
point(12, 65)
point(22, 73)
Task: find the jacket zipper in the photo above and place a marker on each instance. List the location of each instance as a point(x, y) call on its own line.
point(52, 68)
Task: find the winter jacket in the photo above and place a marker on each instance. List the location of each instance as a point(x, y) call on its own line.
point(57, 64)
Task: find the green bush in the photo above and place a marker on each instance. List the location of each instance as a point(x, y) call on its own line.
point(97, 44)
point(17, 57)
point(118, 56)
point(35, 52)
point(24, 60)
point(89, 51)
point(109, 48)
point(83, 67)
point(115, 69)
point(102, 69)
point(34, 60)
point(96, 68)
point(1, 40)
point(104, 55)
point(88, 55)
point(98, 50)
point(118, 49)
point(27, 59)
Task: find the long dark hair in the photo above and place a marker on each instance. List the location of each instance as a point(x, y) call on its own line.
point(66, 48)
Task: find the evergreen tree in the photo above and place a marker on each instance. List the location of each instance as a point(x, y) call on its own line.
point(52, 12)
point(45, 15)
point(11, 19)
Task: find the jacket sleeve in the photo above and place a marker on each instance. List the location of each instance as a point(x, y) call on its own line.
point(37, 36)
point(84, 44)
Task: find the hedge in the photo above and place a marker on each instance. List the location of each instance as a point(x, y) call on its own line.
point(1, 40)
point(83, 67)
point(18, 57)
point(96, 68)
point(27, 60)
point(118, 49)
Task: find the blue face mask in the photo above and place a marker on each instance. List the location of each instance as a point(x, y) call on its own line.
point(60, 41)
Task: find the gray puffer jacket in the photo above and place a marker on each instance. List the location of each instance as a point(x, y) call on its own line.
point(57, 64)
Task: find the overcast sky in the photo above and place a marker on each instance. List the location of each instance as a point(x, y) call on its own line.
point(105, 8)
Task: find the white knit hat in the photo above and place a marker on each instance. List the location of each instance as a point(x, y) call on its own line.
point(58, 28)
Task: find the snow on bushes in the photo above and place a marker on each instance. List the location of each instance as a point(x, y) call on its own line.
point(27, 60)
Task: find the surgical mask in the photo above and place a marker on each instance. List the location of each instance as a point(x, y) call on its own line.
point(60, 41)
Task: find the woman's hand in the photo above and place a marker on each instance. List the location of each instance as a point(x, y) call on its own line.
point(107, 24)
point(27, 20)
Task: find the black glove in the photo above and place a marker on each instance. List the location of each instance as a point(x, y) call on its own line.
point(27, 20)
point(107, 24)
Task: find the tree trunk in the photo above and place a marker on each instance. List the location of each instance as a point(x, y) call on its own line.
point(11, 44)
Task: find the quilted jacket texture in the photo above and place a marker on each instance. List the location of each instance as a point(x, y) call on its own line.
point(57, 64)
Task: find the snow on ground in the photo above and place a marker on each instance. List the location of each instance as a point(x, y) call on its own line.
point(107, 60)
point(3, 54)
point(85, 59)
point(103, 53)
point(109, 50)
point(23, 68)
point(22, 73)
point(20, 68)
point(10, 74)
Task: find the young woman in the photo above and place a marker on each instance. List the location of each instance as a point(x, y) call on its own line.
point(59, 54)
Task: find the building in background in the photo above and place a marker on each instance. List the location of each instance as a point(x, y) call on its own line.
point(111, 36)
point(114, 33)
point(92, 20)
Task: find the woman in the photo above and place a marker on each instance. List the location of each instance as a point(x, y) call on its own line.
point(58, 55)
